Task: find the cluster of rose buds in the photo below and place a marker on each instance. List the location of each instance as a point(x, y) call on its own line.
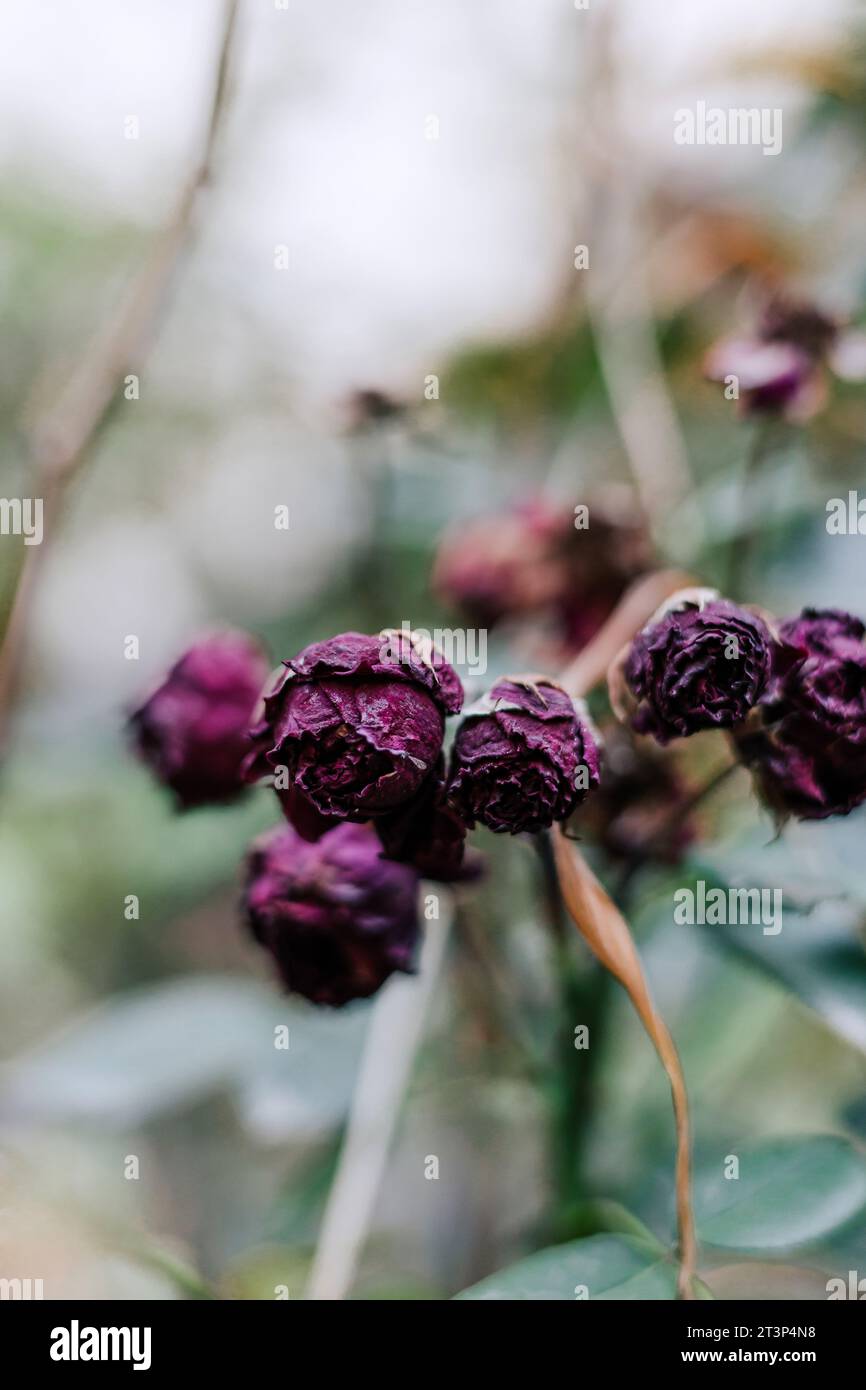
point(781, 369)
point(536, 558)
point(808, 748)
point(351, 736)
point(792, 694)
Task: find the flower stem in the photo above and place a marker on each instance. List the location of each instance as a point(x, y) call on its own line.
point(660, 841)
point(389, 1050)
point(741, 547)
point(60, 441)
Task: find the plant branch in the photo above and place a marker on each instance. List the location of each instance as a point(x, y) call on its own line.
point(600, 922)
point(60, 440)
point(589, 668)
point(389, 1051)
point(606, 932)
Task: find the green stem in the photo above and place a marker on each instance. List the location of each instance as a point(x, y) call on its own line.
point(741, 548)
point(660, 841)
point(584, 996)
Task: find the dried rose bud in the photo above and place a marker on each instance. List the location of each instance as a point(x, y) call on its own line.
point(524, 757)
point(430, 834)
point(572, 563)
point(603, 560)
point(503, 564)
point(336, 917)
point(192, 731)
point(358, 723)
point(808, 751)
point(781, 368)
point(641, 808)
point(702, 662)
point(370, 406)
point(773, 378)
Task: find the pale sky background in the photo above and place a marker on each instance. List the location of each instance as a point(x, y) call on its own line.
point(399, 246)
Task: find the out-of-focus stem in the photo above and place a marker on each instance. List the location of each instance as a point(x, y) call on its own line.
point(389, 1051)
point(606, 932)
point(60, 440)
point(600, 922)
point(742, 543)
point(634, 609)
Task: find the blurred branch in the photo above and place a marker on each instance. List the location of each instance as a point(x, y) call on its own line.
point(606, 932)
point(600, 922)
point(389, 1051)
point(589, 668)
point(621, 318)
point(60, 440)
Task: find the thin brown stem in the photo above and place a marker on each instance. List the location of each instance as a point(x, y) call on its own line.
point(600, 922)
point(590, 667)
point(606, 932)
point(60, 440)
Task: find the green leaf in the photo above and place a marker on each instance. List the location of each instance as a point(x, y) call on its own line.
point(817, 955)
point(790, 1192)
point(606, 1266)
point(170, 1045)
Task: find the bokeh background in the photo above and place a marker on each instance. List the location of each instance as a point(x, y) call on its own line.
point(408, 256)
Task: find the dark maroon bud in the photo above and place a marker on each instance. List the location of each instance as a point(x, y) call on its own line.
point(430, 834)
point(573, 563)
point(808, 749)
point(524, 757)
point(354, 726)
point(337, 918)
point(800, 323)
point(773, 378)
point(503, 564)
point(702, 662)
point(780, 369)
point(371, 407)
point(641, 809)
point(192, 731)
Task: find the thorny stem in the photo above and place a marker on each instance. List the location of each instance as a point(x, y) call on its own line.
point(61, 439)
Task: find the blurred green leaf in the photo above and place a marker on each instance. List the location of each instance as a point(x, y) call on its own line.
point(609, 1267)
point(818, 954)
point(790, 1192)
point(161, 1048)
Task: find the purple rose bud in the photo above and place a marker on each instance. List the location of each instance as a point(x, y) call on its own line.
point(808, 752)
point(358, 722)
point(541, 558)
point(702, 662)
point(336, 917)
point(430, 834)
point(524, 757)
point(773, 378)
point(192, 731)
point(780, 369)
point(642, 808)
